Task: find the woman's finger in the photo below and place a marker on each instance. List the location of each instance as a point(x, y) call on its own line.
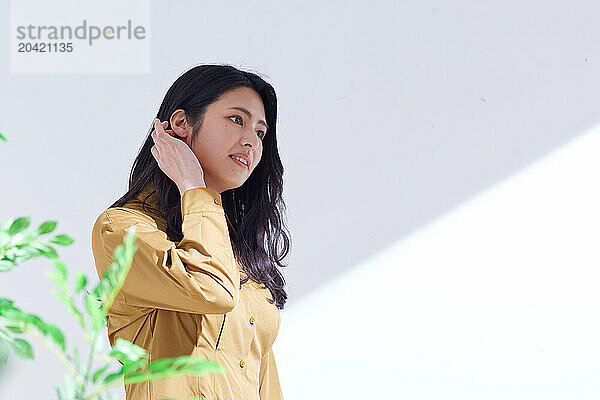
point(158, 137)
point(161, 131)
point(158, 126)
point(155, 136)
point(161, 124)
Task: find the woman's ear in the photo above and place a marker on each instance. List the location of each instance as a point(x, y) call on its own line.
point(179, 125)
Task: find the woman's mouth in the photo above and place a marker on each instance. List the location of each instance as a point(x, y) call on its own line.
point(238, 162)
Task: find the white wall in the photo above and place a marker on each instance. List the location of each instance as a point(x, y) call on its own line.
point(440, 179)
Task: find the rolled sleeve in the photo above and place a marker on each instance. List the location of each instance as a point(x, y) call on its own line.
point(197, 275)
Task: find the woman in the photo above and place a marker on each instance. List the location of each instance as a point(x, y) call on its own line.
point(205, 192)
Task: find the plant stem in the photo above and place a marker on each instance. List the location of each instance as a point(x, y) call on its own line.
point(107, 358)
point(57, 353)
point(88, 337)
point(102, 389)
point(88, 371)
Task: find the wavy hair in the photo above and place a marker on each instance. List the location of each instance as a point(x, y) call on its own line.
point(254, 211)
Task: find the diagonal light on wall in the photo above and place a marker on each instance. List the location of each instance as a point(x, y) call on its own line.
point(497, 299)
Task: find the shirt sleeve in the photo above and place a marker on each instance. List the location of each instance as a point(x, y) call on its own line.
point(269, 386)
point(198, 275)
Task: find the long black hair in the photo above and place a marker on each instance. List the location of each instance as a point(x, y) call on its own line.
point(255, 210)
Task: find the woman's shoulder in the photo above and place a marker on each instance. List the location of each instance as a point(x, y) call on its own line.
point(124, 217)
point(143, 207)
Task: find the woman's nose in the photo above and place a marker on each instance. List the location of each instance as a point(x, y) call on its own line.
point(251, 138)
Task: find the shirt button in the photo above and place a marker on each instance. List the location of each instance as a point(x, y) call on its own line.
point(242, 364)
point(217, 202)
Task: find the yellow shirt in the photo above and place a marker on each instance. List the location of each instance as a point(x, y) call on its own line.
point(182, 299)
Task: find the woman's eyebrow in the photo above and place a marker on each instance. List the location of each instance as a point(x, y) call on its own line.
point(249, 114)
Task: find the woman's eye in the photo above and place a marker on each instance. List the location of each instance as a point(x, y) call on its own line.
point(235, 116)
point(262, 133)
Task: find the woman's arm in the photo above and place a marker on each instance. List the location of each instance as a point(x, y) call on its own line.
point(198, 275)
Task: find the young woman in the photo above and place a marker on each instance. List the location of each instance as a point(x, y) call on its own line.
point(205, 192)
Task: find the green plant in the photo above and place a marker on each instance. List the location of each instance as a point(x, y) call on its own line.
point(83, 381)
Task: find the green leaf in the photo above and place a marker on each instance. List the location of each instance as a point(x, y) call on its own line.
point(16, 328)
point(22, 348)
point(13, 317)
point(138, 376)
point(46, 250)
point(4, 335)
point(171, 367)
point(127, 352)
point(18, 321)
point(111, 377)
point(29, 252)
point(63, 240)
point(46, 227)
point(6, 304)
point(5, 341)
point(10, 311)
point(61, 268)
point(3, 137)
point(34, 320)
point(80, 281)
point(99, 372)
point(6, 265)
point(56, 336)
point(56, 278)
point(77, 314)
point(132, 366)
point(114, 277)
point(66, 299)
point(18, 225)
point(16, 254)
point(187, 361)
point(97, 317)
point(160, 365)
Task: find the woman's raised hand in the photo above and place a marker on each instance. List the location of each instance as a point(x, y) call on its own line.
point(176, 159)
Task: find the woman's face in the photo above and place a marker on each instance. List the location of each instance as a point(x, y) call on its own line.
point(227, 130)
